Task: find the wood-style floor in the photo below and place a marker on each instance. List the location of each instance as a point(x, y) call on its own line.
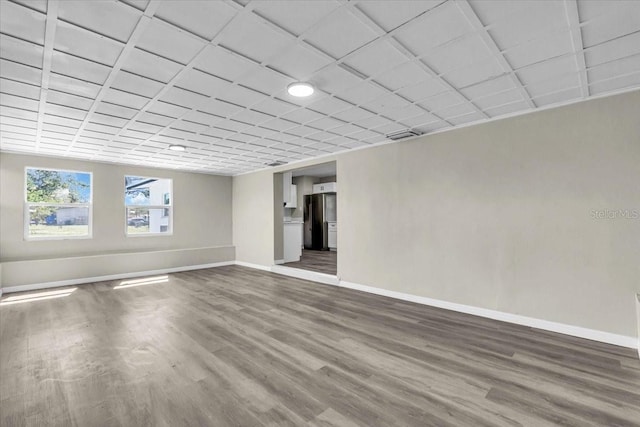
point(234, 346)
point(319, 261)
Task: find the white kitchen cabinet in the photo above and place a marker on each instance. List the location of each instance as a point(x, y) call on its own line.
point(327, 187)
point(332, 236)
point(293, 203)
point(292, 241)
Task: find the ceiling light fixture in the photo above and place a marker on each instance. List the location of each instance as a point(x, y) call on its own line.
point(175, 147)
point(300, 89)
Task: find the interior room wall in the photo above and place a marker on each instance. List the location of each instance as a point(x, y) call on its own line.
point(504, 215)
point(202, 225)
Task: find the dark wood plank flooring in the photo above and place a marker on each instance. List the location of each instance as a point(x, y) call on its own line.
point(234, 346)
point(319, 261)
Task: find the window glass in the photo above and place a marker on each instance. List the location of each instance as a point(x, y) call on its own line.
point(57, 204)
point(148, 208)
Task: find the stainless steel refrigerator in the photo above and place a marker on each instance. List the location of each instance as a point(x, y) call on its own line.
point(319, 210)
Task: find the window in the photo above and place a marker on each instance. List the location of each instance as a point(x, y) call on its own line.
point(148, 205)
point(57, 204)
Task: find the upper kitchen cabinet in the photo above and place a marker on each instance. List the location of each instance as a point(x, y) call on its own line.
point(289, 191)
point(326, 187)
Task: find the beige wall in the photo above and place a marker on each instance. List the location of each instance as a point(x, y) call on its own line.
point(498, 215)
point(202, 219)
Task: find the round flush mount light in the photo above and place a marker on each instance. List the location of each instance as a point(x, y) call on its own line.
point(175, 147)
point(300, 89)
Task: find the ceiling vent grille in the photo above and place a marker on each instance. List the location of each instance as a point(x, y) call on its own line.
point(408, 133)
point(276, 163)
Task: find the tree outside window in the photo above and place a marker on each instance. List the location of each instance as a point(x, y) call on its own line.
point(57, 204)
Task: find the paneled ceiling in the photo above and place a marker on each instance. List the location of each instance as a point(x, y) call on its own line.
point(119, 81)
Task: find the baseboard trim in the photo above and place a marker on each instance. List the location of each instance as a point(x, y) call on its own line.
point(85, 280)
point(576, 331)
point(327, 279)
point(250, 265)
point(278, 261)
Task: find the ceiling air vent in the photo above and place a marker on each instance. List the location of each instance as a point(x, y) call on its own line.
point(408, 133)
point(276, 163)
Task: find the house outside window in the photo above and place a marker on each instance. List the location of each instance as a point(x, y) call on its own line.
point(58, 204)
point(148, 206)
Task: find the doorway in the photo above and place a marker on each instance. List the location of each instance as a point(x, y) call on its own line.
point(309, 219)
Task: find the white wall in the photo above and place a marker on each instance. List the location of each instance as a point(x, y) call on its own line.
point(497, 216)
point(202, 225)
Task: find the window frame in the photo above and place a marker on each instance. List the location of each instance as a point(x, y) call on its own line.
point(161, 207)
point(26, 207)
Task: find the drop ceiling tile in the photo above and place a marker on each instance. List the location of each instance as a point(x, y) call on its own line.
point(223, 63)
point(156, 119)
point(540, 49)
point(301, 131)
point(17, 130)
point(18, 113)
point(63, 111)
point(389, 128)
point(497, 99)
point(274, 107)
point(13, 121)
point(482, 71)
point(329, 106)
point(92, 135)
point(302, 116)
point(528, 23)
point(488, 87)
point(219, 108)
point(432, 127)
point(124, 99)
point(74, 86)
point(404, 112)
point(279, 124)
point(189, 126)
point(62, 98)
point(424, 89)
point(184, 98)
point(347, 129)
point(273, 131)
point(554, 84)
point(21, 51)
point(298, 62)
point(325, 123)
point(352, 114)
point(295, 17)
point(436, 27)
point(621, 21)
point(390, 15)
point(132, 83)
point(145, 127)
point(386, 102)
point(78, 68)
point(252, 117)
point(362, 93)
point(460, 53)
point(251, 37)
point(441, 100)
point(97, 127)
point(402, 76)
point(105, 119)
point(612, 50)
point(202, 118)
point(18, 88)
point(335, 79)
point(204, 19)
point(86, 44)
point(455, 111)
point(340, 34)
point(421, 119)
point(353, 144)
point(23, 23)
point(375, 58)
point(169, 42)
point(562, 96)
point(507, 109)
point(151, 66)
point(233, 125)
point(240, 95)
point(466, 118)
point(547, 69)
point(616, 83)
point(19, 72)
point(264, 80)
point(167, 109)
point(62, 121)
point(113, 19)
point(630, 64)
point(136, 134)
